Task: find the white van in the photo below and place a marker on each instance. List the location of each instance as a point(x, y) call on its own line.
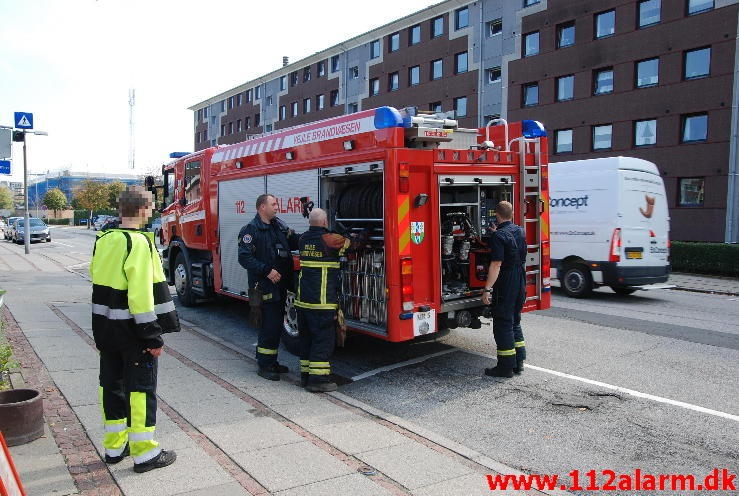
point(609, 225)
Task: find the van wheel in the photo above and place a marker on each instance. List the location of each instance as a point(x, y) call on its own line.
point(577, 281)
point(290, 326)
point(623, 291)
point(183, 281)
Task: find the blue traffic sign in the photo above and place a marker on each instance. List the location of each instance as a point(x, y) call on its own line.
point(4, 166)
point(23, 120)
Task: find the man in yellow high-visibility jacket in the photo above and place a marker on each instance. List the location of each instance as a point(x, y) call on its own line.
point(131, 309)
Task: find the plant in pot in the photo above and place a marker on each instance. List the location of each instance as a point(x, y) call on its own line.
point(21, 410)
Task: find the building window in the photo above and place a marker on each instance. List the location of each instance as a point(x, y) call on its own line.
point(247, 122)
point(320, 102)
point(248, 95)
point(269, 100)
point(374, 49)
point(531, 44)
point(460, 63)
point(563, 141)
point(394, 42)
point(691, 192)
point(461, 18)
point(528, 3)
point(493, 74)
point(334, 97)
point(460, 106)
point(257, 92)
point(647, 73)
point(354, 72)
point(294, 109)
point(435, 106)
point(530, 94)
point(645, 132)
point(603, 81)
point(230, 128)
point(268, 128)
point(695, 128)
point(238, 125)
point(393, 81)
point(239, 99)
point(374, 87)
point(414, 75)
point(437, 26)
point(223, 130)
point(293, 78)
point(283, 112)
point(257, 119)
point(283, 83)
point(306, 74)
point(494, 27)
point(306, 105)
point(231, 102)
point(414, 35)
point(566, 34)
point(321, 68)
point(205, 113)
point(605, 24)
point(649, 12)
point(565, 88)
point(698, 6)
point(223, 105)
point(697, 63)
point(334, 63)
point(353, 108)
point(437, 69)
point(602, 137)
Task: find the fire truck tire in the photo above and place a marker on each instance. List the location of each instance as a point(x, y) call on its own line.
point(289, 337)
point(183, 281)
point(577, 281)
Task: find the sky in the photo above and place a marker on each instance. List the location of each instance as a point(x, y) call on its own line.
point(72, 62)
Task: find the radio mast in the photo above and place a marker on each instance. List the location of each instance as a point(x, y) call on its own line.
point(131, 144)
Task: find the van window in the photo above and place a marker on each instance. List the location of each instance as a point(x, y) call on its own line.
point(192, 181)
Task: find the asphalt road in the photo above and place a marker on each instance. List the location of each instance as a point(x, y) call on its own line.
point(647, 381)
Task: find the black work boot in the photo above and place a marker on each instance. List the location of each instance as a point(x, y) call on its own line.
point(268, 373)
point(163, 459)
point(504, 367)
point(520, 357)
point(321, 387)
point(518, 369)
point(112, 460)
point(304, 379)
point(281, 369)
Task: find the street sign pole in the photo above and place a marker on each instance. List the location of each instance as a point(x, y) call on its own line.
point(26, 222)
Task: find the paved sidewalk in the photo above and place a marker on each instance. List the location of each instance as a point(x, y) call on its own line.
point(234, 433)
point(704, 283)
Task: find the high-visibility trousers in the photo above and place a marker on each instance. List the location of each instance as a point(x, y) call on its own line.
point(128, 403)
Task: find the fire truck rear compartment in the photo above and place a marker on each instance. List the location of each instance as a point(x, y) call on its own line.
point(466, 214)
point(354, 202)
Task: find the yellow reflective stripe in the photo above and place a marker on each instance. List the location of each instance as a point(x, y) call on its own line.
point(316, 306)
point(304, 365)
point(520, 344)
point(266, 351)
point(320, 265)
point(141, 450)
point(320, 364)
point(304, 362)
point(324, 284)
point(320, 372)
point(507, 352)
point(300, 278)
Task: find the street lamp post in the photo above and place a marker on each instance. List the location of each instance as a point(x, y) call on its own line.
point(26, 220)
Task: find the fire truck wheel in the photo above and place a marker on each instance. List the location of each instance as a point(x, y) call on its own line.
point(290, 327)
point(182, 281)
point(577, 281)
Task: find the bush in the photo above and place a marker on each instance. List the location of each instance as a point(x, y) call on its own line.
point(57, 222)
point(84, 214)
point(705, 258)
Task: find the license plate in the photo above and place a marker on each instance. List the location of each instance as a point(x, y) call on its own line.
point(633, 254)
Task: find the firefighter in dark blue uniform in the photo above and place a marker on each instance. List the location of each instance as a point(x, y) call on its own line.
point(507, 275)
point(317, 300)
point(265, 244)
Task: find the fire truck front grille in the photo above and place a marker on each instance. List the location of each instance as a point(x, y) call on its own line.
point(363, 287)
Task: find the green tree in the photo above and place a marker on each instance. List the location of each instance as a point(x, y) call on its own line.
point(55, 199)
point(114, 190)
point(6, 197)
point(92, 195)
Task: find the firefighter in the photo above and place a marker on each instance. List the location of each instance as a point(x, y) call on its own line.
point(131, 309)
point(507, 275)
point(317, 299)
point(265, 244)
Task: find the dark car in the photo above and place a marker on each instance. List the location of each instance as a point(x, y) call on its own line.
point(111, 223)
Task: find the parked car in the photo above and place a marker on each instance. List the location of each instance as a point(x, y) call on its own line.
point(8, 228)
point(111, 223)
point(100, 220)
point(39, 230)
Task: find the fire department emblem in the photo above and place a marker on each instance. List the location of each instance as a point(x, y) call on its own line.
point(417, 232)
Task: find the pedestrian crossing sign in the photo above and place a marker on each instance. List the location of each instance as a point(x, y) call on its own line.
point(23, 120)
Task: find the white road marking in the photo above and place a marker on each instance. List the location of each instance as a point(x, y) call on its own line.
point(632, 392)
point(63, 244)
point(403, 364)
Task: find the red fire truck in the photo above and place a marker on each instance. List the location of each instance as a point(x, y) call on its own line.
point(416, 189)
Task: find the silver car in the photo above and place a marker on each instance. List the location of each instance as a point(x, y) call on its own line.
point(39, 230)
point(8, 227)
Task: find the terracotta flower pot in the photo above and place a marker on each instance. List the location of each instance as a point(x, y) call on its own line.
point(21, 415)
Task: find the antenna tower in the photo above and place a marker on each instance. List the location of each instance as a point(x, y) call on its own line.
point(131, 144)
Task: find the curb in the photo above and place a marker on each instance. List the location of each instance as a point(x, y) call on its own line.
point(705, 291)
